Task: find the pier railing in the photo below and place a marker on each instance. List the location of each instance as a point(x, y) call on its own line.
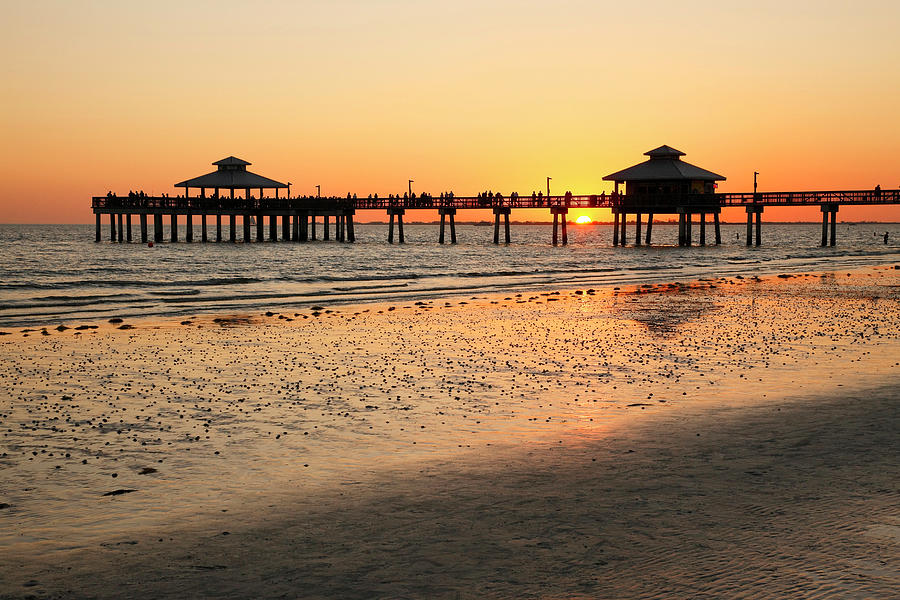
point(630, 203)
point(875, 196)
point(213, 204)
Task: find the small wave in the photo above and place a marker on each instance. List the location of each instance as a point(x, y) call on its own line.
point(334, 278)
point(133, 283)
point(81, 297)
point(73, 302)
point(174, 292)
point(382, 286)
point(661, 268)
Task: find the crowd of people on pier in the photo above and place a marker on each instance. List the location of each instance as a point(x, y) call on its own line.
point(484, 199)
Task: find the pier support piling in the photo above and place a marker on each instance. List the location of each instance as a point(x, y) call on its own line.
point(718, 230)
point(502, 210)
point(615, 227)
point(351, 233)
point(245, 221)
point(218, 227)
point(326, 234)
point(834, 211)
point(829, 213)
point(143, 221)
point(97, 217)
point(232, 228)
point(685, 233)
point(259, 228)
point(749, 225)
point(396, 212)
point(703, 229)
point(273, 228)
point(128, 227)
point(157, 227)
point(445, 214)
point(189, 228)
point(637, 229)
point(304, 226)
point(649, 227)
point(204, 237)
point(759, 211)
point(173, 227)
point(285, 228)
point(623, 230)
point(559, 215)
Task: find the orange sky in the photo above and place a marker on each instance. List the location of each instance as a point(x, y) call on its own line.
point(361, 95)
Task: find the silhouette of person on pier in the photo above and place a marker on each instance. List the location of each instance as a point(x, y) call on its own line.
point(885, 237)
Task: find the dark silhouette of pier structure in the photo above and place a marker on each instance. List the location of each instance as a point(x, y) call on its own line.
point(662, 185)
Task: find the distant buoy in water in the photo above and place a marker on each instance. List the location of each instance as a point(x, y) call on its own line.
point(149, 244)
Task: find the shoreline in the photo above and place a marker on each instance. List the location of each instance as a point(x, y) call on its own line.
point(532, 445)
point(289, 311)
point(95, 282)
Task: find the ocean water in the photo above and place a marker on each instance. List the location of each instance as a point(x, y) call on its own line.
point(53, 274)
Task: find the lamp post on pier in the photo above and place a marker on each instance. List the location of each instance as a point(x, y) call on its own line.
point(318, 191)
point(410, 187)
point(548, 186)
point(755, 175)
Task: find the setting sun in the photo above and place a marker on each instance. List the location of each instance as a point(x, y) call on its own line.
point(584, 220)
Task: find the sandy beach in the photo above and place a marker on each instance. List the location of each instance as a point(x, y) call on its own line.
point(728, 438)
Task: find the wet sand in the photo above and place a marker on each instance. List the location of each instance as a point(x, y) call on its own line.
point(728, 438)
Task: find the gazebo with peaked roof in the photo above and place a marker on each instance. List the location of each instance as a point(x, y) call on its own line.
point(665, 174)
point(231, 174)
point(665, 184)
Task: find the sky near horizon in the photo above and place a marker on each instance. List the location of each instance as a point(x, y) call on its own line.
point(360, 96)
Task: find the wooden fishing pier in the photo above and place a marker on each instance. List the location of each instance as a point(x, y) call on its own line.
point(664, 184)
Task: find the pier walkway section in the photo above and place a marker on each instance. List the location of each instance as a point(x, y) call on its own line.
point(300, 216)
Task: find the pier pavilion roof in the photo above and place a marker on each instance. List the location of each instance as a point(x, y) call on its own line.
point(232, 173)
point(664, 164)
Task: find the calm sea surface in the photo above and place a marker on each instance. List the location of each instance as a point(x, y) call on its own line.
point(57, 274)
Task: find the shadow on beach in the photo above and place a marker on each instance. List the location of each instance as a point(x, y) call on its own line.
point(777, 500)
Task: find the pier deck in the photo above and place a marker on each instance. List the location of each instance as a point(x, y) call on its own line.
point(300, 214)
point(107, 204)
